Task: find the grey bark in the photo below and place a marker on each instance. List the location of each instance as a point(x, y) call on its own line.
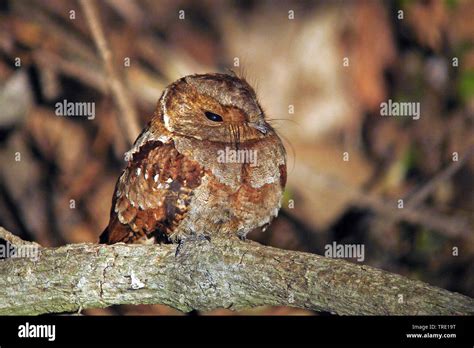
point(206, 275)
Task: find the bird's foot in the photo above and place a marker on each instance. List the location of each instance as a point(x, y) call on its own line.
point(242, 235)
point(184, 240)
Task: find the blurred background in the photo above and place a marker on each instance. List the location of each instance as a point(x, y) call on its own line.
point(321, 70)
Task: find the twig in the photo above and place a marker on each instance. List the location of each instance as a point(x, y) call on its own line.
point(453, 227)
point(222, 273)
point(128, 119)
point(12, 239)
point(449, 226)
point(87, 73)
point(423, 193)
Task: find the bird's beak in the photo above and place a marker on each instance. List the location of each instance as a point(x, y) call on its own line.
point(261, 127)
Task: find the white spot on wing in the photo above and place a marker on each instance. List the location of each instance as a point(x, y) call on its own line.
point(166, 118)
point(163, 138)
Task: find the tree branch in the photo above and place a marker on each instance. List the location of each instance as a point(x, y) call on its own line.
point(12, 239)
point(223, 273)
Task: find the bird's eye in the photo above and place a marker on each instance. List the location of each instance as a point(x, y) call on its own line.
point(213, 117)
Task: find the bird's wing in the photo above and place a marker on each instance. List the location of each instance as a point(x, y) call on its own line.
point(153, 193)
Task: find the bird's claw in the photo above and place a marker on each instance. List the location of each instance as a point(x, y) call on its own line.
point(191, 238)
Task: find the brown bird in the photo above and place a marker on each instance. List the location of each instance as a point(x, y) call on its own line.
point(207, 162)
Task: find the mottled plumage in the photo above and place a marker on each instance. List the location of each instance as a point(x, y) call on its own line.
point(207, 162)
